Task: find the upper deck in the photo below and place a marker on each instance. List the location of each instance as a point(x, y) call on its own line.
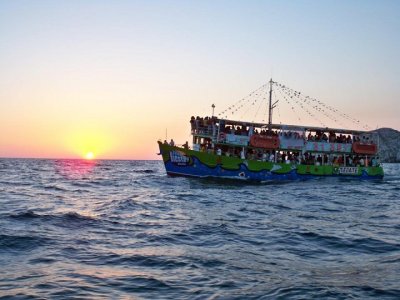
point(279, 137)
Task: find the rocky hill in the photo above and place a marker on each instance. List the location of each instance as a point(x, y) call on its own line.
point(389, 144)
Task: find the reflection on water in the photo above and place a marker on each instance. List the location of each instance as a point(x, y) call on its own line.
point(75, 168)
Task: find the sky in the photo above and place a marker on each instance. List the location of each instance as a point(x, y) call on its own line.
point(113, 77)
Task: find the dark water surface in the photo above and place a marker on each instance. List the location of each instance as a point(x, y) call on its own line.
point(123, 229)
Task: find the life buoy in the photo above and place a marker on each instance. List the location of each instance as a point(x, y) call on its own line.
point(222, 136)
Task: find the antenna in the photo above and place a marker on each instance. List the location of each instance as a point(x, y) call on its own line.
point(213, 106)
point(270, 106)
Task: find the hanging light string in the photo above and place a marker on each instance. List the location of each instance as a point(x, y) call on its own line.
point(277, 107)
point(253, 102)
point(310, 102)
point(256, 98)
point(329, 111)
point(291, 106)
point(292, 102)
point(259, 108)
point(303, 103)
point(264, 114)
point(238, 105)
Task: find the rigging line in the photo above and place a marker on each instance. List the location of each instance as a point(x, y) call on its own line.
point(318, 102)
point(250, 106)
point(299, 104)
point(332, 109)
point(307, 111)
point(317, 106)
point(264, 114)
point(305, 100)
point(242, 99)
point(279, 114)
point(258, 109)
point(354, 120)
point(290, 105)
point(245, 103)
point(346, 117)
point(253, 98)
point(341, 114)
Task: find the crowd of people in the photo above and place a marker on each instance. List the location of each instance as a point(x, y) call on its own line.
point(172, 144)
point(288, 157)
point(331, 137)
point(291, 157)
point(209, 126)
point(353, 160)
point(206, 125)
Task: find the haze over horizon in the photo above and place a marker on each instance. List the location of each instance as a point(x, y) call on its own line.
point(107, 78)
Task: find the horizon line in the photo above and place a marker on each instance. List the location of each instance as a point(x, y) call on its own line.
point(94, 159)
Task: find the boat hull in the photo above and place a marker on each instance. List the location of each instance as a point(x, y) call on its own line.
point(184, 162)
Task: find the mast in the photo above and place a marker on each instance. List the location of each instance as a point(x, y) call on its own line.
point(270, 106)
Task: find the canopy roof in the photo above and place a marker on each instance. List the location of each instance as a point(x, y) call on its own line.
point(291, 127)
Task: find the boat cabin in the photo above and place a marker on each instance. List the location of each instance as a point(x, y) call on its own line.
point(284, 143)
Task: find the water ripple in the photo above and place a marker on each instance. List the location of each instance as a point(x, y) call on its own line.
point(123, 229)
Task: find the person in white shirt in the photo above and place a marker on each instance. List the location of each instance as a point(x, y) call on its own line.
point(242, 155)
point(264, 157)
point(272, 157)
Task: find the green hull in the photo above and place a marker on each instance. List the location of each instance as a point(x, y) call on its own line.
point(179, 161)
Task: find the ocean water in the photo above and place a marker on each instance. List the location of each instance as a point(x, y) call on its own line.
point(124, 230)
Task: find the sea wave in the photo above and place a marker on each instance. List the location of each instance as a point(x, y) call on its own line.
point(121, 229)
point(11, 243)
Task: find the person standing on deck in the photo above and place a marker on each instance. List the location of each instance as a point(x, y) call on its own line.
point(242, 155)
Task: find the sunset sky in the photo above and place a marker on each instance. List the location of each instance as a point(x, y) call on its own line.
point(109, 77)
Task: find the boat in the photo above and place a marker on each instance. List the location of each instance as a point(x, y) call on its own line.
point(262, 151)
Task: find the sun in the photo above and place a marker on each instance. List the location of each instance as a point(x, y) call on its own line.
point(89, 155)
